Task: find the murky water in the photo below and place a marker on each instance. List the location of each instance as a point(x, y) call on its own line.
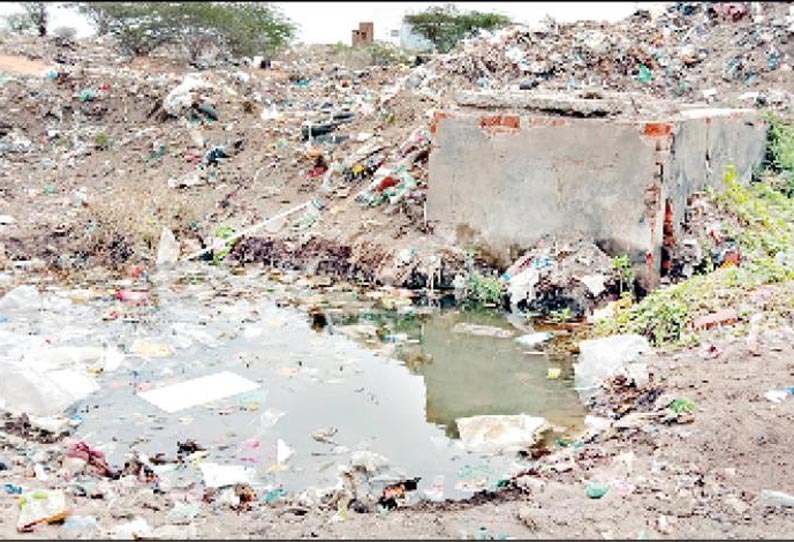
point(396, 391)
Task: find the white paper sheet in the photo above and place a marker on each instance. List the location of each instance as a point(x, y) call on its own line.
point(198, 391)
point(216, 475)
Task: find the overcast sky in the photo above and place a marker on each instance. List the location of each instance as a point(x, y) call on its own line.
point(331, 22)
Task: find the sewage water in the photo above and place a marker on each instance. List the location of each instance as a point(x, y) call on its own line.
point(397, 395)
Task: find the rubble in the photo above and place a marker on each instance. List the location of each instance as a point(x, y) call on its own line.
point(556, 274)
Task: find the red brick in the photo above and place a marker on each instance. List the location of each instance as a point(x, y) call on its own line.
point(724, 317)
point(511, 122)
point(437, 116)
point(658, 129)
point(490, 121)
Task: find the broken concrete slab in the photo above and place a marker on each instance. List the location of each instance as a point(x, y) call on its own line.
point(561, 104)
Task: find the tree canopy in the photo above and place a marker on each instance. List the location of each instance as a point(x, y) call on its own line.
point(32, 19)
point(242, 28)
point(445, 26)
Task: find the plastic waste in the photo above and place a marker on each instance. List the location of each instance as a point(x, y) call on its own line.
point(600, 359)
point(270, 417)
point(135, 529)
point(780, 395)
point(500, 433)
point(21, 297)
point(485, 331)
point(283, 452)
point(644, 74)
point(216, 475)
point(273, 495)
point(198, 391)
point(168, 249)
point(147, 349)
point(777, 499)
point(40, 506)
point(370, 462)
point(521, 287)
point(94, 459)
point(532, 340)
point(553, 373)
point(181, 97)
point(594, 490)
point(42, 393)
point(79, 524)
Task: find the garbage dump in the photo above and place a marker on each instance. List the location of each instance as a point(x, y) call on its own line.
point(223, 307)
point(137, 386)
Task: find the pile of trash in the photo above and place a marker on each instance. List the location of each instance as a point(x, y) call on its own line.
point(558, 274)
point(691, 50)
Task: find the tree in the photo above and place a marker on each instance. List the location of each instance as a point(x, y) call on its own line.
point(37, 13)
point(19, 23)
point(242, 28)
point(445, 26)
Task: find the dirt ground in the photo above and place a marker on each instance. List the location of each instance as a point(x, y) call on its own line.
point(78, 204)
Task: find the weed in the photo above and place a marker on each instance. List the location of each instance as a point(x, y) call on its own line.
point(766, 238)
point(482, 291)
point(780, 152)
point(223, 232)
point(101, 141)
point(561, 315)
point(682, 404)
point(622, 266)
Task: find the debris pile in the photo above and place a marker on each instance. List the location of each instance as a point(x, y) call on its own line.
point(694, 51)
point(558, 274)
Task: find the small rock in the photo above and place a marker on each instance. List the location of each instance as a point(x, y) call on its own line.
point(636, 420)
point(74, 465)
point(637, 374)
point(736, 504)
point(530, 483)
point(525, 514)
point(664, 524)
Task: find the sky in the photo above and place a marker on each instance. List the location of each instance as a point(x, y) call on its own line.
point(331, 22)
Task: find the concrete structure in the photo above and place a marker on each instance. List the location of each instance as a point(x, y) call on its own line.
point(508, 169)
point(364, 35)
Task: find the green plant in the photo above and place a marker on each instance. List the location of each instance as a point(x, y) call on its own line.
point(385, 54)
point(101, 141)
point(780, 152)
point(765, 231)
point(445, 26)
point(223, 232)
point(622, 266)
point(682, 404)
point(241, 28)
point(482, 291)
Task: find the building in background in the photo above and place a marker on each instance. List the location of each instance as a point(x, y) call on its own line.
point(364, 34)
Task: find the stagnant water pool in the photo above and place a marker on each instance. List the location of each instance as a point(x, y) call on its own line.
point(389, 381)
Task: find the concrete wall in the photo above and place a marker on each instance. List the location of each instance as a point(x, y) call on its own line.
point(510, 179)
